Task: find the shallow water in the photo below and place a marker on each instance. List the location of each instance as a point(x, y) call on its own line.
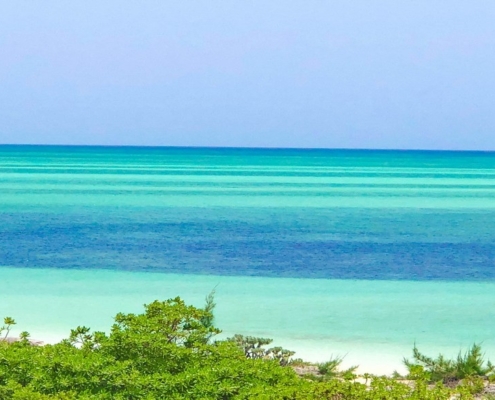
point(373, 323)
point(356, 252)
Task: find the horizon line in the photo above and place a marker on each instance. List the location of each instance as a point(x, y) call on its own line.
point(244, 148)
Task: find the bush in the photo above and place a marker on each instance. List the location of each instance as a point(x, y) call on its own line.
point(167, 353)
point(330, 369)
point(468, 365)
point(252, 347)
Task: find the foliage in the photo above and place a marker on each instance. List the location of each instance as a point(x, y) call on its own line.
point(166, 353)
point(472, 384)
point(468, 365)
point(382, 388)
point(8, 322)
point(253, 349)
point(330, 369)
point(208, 318)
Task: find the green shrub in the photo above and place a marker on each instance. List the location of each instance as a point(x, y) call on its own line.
point(252, 347)
point(331, 369)
point(166, 352)
point(8, 323)
point(440, 369)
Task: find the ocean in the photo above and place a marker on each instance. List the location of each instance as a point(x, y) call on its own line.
point(329, 252)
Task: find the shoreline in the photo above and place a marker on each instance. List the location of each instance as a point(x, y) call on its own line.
point(372, 323)
point(367, 362)
point(380, 359)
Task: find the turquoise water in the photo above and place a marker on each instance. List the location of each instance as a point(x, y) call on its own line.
point(329, 251)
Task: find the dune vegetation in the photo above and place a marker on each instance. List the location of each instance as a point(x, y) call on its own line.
point(170, 352)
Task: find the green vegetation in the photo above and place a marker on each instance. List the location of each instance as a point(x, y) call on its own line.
point(469, 369)
point(168, 352)
point(252, 347)
point(330, 370)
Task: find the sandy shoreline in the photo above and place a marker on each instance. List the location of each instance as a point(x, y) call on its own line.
point(374, 324)
point(369, 359)
point(374, 358)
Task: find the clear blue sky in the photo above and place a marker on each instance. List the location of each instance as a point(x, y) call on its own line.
point(298, 73)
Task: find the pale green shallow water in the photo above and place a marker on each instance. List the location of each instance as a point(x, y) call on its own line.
point(373, 323)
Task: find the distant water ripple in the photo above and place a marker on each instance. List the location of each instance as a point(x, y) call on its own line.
point(279, 213)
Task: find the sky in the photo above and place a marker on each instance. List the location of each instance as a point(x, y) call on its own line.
point(301, 73)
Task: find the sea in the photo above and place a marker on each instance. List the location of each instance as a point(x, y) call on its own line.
point(358, 254)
